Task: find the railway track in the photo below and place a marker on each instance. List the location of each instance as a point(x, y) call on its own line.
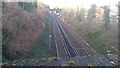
point(67, 45)
point(77, 44)
point(69, 51)
point(53, 50)
point(59, 49)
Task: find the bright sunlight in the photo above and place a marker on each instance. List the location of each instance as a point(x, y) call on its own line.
point(80, 3)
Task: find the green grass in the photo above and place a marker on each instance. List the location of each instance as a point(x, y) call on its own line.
point(101, 41)
point(41, 48)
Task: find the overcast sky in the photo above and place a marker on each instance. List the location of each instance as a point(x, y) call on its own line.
point(81, 3)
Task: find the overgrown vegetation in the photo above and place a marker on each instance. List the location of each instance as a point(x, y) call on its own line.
point(41, 47)
point(20, 29)
point(100, 41)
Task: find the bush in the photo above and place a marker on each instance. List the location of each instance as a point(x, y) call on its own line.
point(20, 29)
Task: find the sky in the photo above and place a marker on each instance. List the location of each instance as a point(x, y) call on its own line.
point(80, 3)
